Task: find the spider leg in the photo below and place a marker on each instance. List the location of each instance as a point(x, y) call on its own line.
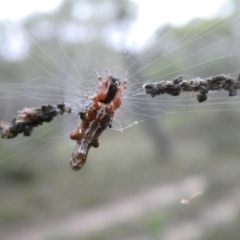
point(99, 78)
point(97, 96)
point(109, 74)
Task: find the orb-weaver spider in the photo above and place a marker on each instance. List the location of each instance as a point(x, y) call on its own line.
point(95, 118)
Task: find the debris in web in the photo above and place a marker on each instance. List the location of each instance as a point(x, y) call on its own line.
point(29, 118)
point(200, 85)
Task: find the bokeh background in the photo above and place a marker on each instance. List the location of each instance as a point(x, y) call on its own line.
point(133, 185)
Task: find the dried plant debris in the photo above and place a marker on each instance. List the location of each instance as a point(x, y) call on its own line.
point(199, 85)
point(30, 118)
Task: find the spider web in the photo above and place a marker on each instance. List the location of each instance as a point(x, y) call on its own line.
point(204, 48)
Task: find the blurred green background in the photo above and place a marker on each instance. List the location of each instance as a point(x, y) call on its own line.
point(132, 185)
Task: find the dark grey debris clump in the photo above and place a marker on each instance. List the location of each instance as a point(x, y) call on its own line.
point(29, 118)
point(201, 86)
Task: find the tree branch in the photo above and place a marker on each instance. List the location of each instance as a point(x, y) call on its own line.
point(202, 86)
point(30, 118)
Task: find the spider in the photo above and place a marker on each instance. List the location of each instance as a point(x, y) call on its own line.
point(96, 118)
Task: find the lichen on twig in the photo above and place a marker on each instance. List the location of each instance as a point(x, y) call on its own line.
point(30, 118)
point(200, 85)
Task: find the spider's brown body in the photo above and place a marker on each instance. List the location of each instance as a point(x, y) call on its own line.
point(96, 118)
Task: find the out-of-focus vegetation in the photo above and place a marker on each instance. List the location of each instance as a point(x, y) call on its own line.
point(175, 154)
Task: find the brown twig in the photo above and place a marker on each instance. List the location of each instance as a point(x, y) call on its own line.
point(202, 86)
point(30, 118)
